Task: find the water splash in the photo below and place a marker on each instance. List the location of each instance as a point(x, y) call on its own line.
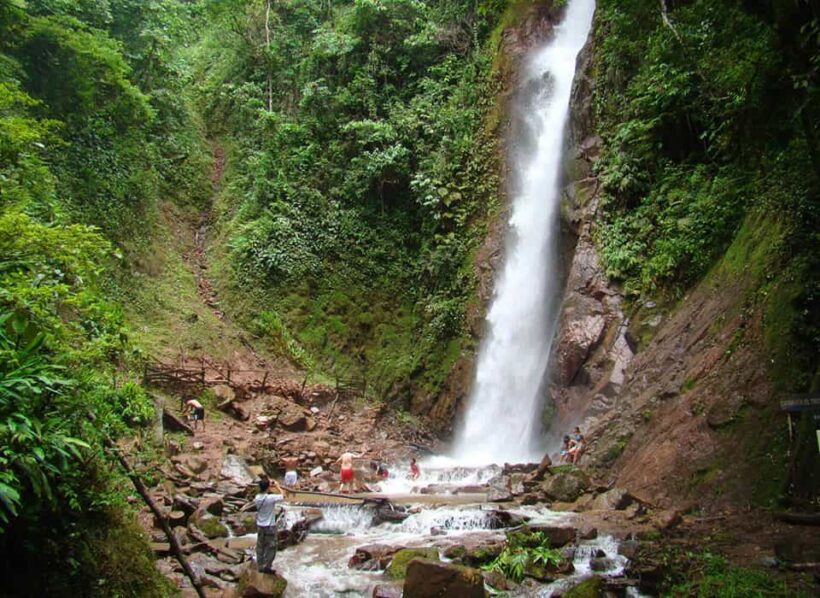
point(502, 421)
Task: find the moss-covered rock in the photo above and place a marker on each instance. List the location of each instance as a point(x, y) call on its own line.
point(211, 527)
point(254, 583)
point(589, 588)
point(566, 486)
point(397, 568)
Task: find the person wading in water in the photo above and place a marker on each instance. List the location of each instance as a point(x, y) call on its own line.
point(346, 473)
point(290, 471)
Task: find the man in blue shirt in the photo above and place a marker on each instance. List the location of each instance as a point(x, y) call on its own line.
point(266, 524)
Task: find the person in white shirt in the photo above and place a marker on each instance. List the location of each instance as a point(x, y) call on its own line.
point(265, 503)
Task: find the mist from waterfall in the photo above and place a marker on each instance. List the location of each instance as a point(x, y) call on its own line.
point(503, 414)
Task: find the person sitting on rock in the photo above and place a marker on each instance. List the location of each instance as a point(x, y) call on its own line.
point(565, 456)
point(290, 471)
point(266, 528)
point(415, 472)
point(197, 413)
point(577, 445)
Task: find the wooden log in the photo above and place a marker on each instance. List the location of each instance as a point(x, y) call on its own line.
point(173, 422)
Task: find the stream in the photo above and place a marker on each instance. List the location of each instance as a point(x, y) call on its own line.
point(319, 565)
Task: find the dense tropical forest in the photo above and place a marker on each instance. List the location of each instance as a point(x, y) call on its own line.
point(363, 146)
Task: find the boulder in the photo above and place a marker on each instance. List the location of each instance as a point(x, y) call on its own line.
point(558, 536)
point(398, 564)
point(601, 564)
point(184, 503)
point(589, 588)
point(429, 579)
point(616, 499)
point(667, 520)
point(499, 519)
point(543, 468)
point(213, 504)
point(193, 463)
point(384, 590)
point(372, 557)
point(209, 525)
point(549, 572)
point(499, 489)
point(223, 393)
point(243, 523)
point(566, 486)
point(235, 469)
point(252, 583)
point(177, 518)
point(475, 553)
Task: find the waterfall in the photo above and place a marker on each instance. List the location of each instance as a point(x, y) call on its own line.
point(502, 420)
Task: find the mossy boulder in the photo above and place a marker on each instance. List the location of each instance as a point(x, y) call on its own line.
point(397, 568)
point(589, 588)
point(566, 486)
point(254, 583)
point(211, 527)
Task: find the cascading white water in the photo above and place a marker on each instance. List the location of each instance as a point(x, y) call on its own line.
point(502, 417)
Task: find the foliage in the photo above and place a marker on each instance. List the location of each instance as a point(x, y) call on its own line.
point(702, 115)
point(35, 446)
point(93, 127)
point(710, 575)
point(523, 551)
point(363, 171)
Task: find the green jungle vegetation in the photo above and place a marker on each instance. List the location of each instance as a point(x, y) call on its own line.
point(363, 169)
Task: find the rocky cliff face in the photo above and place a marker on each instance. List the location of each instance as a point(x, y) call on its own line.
point(592, 350)
point(674, 399)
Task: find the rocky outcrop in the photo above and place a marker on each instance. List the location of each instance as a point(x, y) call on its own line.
point(591, 350)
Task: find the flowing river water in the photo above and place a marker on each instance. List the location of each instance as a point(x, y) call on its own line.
point(502, 423)
point(319, 565)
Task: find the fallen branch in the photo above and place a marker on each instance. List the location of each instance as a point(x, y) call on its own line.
point(158, 514)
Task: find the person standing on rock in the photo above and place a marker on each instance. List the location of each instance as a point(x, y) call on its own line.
point(266, 524)
point(346, 473)
point(197, 413)
point(290, 471)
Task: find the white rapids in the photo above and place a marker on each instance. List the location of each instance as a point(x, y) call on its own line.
point(502, 421)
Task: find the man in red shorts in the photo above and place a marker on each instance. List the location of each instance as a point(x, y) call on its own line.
point(347, 470)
